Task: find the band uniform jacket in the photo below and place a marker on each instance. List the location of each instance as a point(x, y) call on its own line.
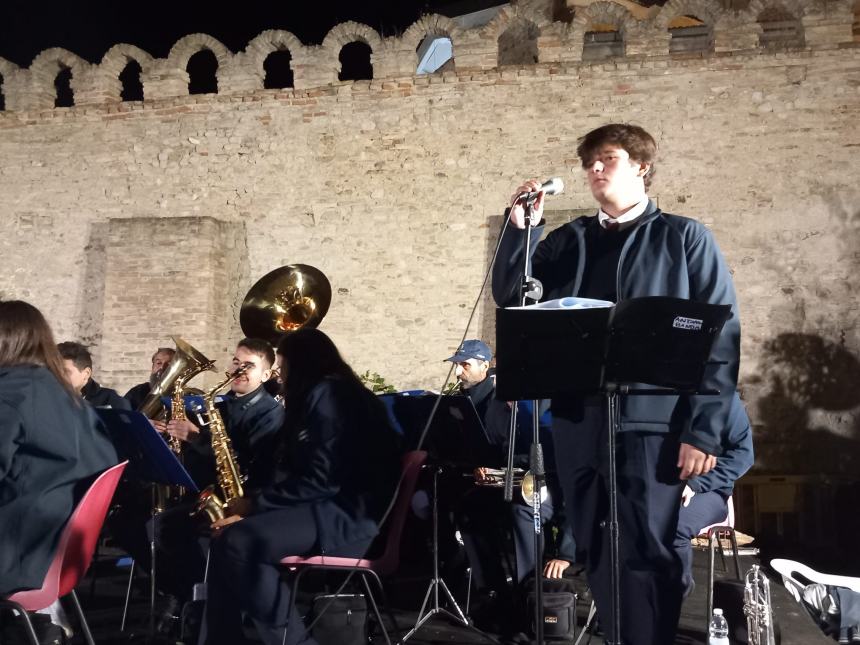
point(253, 422)
point(665, 255)
point(103, 397)
point(342, 458)
point(51, 449)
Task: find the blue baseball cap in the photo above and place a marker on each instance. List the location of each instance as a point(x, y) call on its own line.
point(476, 349)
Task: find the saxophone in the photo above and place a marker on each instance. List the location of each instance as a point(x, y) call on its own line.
point(226, 466)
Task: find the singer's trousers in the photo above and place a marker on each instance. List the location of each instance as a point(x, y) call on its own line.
point(649, 494)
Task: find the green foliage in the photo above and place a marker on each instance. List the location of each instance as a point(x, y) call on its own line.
point(375, 383)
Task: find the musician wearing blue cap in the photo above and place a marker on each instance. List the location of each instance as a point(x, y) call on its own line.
point(482, 515)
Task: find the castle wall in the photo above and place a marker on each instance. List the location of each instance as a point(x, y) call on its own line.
point(393, 188)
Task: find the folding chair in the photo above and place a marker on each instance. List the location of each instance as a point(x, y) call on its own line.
point(390, 537)
point(73, 556)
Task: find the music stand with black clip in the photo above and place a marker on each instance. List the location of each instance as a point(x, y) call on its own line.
point(652, 346)
point(151, 460)
point(453, 435)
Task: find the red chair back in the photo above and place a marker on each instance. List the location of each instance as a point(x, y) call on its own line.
point(393, 529)
point(77, 543)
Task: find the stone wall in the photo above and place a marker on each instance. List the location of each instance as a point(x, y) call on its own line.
point(128, 222)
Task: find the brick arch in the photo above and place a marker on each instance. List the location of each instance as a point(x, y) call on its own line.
point(7, 68)
point(428, 25)
point(603, 12)
point(48, 63)
point(118, 56)
point(707, 12)
point(187, 46)
point(796, 8)
point(349, 32)
point(270, 41)
point(523, 50)
point(509, 15)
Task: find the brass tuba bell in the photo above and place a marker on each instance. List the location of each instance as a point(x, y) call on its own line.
point(284, 300)
point(185, 365)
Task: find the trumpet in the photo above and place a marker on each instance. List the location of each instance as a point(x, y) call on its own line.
point(523, 479)
point(757, 608)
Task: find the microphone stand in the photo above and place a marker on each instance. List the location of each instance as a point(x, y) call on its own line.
point(530, 288)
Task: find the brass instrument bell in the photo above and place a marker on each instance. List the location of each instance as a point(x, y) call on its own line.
point(186, 363)
point(284, 300)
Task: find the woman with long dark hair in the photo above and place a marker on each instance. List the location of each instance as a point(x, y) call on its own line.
point(338, 467)
point(51, 447)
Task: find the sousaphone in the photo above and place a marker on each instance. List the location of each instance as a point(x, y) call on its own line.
point(284, 300)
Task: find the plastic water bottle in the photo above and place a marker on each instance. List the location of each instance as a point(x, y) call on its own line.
point(718, 629)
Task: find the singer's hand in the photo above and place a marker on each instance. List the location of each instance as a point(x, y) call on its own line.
point(518, 202)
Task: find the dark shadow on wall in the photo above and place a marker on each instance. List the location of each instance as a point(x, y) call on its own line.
point(806, 373)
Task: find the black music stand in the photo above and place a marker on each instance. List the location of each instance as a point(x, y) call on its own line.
point(457, 437)
point(150, 460)
point(660, 342)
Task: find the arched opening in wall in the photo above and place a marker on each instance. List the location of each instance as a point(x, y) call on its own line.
point(355, 64)
point(779, 29)
point(202, 69)
point(518, 44)
point(2, 94)
point(688, 34)
point(63, 86)
point(278, 73)
point(435, 54)
point(132, 87)
point(602, 41)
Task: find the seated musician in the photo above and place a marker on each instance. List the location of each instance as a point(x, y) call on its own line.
point(78, 367)
point(50, 443)
point(337, 472)
point(482, 515)
point(160, 362)
point(252, 419)
point(704, 500)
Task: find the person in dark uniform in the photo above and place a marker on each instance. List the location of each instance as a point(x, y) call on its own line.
point(51, 446)
point(705, 498)
point(78, 366)
point(482, 515)
point(253, 420)
point(337, 472)
point(160, 361)
point(630, 249)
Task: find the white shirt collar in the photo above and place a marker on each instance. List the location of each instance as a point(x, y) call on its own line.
point(624, 220)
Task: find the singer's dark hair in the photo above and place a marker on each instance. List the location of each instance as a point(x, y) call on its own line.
point(638, 143)
point(309, 357)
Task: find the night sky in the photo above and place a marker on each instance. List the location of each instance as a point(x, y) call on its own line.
point(91, 27)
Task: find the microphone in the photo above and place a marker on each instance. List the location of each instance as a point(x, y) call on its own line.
point(554, 186)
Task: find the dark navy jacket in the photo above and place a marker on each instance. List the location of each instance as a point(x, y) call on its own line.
point(736, 457)
point(104, 397)
point(665, 255)
point(137, 395)
point(342, 458)
point(51, 449)
point(253, 422)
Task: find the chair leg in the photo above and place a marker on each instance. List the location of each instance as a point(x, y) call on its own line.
point(292, 610)
point(127, 597)
point(85, 628)
point(734, 540)
point(374, 606)
point(31, 632)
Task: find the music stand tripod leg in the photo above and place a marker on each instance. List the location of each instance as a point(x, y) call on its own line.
point(438, 582)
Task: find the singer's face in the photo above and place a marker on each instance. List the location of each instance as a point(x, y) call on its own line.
point(614, 178)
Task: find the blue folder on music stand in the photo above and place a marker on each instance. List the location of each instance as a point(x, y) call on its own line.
point(150, 456)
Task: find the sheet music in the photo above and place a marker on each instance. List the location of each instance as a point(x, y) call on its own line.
point(569, 302)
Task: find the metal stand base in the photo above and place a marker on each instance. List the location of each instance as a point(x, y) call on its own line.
point(437, 582)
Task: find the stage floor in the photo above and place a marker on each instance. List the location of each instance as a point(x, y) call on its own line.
point(103, 608)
